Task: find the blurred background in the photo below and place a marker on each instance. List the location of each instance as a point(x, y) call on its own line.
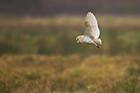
point(39, 53)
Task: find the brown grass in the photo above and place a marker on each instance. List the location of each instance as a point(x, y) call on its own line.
point(69, 74)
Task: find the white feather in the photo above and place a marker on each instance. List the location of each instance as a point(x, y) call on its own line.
point(87, 39)
point(91, 25)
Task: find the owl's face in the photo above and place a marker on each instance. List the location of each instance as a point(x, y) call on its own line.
point(79, 39)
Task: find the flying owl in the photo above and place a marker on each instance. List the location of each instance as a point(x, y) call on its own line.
point(92, 32)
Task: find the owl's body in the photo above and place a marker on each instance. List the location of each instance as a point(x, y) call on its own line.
point(92, 32)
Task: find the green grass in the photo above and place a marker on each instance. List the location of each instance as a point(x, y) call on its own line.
point(57, 41)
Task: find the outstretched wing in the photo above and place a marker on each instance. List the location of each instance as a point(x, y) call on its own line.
point(91, 25)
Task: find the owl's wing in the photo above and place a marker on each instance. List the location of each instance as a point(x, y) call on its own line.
point(91, 25)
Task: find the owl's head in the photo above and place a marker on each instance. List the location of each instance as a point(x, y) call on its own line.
point(80, 39)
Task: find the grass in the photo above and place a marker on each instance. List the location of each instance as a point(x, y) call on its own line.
point(58, 41)
point(69, 74)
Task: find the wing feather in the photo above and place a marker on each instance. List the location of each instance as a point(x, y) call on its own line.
point(91, 25)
